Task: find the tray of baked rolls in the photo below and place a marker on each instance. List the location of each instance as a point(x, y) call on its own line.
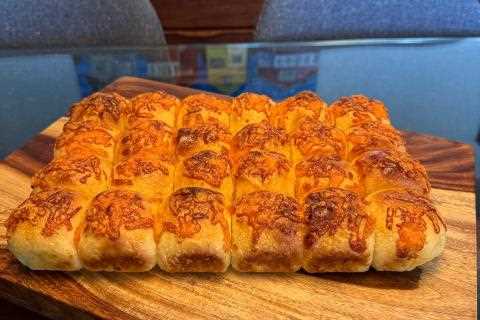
point(277, 204)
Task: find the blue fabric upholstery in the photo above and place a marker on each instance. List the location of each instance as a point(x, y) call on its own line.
point(37, 24)
point(283, 20)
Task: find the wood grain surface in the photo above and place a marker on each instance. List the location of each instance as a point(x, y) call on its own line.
point(443, 289)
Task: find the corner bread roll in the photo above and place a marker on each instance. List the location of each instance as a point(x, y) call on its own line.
point(145, 159)
point(84, 173)
point(371, 136)
point(153, 106)
point(339, 233)
point(249, 108)
point(355, 110)
point(290, 111)
point(379, 170)
point(201, 108)
point(267, 229)
point(43, 231)
point(313, 137)
point(100, 110)
point(118, 234)
point(320, 172)
point(196, 235)
point(409, 230)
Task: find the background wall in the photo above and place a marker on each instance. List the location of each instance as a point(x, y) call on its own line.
point(191, 21)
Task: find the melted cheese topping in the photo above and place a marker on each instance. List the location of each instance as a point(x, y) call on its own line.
point(209, 166)
point(329, 210)
point(312, 137)
point(112, 211)
point(59, 207)
point(192, 205)
point(263, 210)
point(259, 135)
point(407, 213)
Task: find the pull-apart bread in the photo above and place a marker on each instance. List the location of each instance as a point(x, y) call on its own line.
point(197, 184)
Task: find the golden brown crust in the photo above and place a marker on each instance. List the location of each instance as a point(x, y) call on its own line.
point(313, 137)
point(201, 101)
point(262, 165)
point(333, 208)
point(251, 101)
point(102, 109)
point(362, 109)
point(259, 135)
point(322, 171)
point(142, 164)
point(59, 206)
point(306, 99)
point(190, 139)
point(209, 166)
point(70, 172)
point(374, 136)
point(113, 210)
point(360, 104)
point(147, 134)
point(406, 212)
point(381, 170)
point(262, 210)
point(85, 139)
point(192, 205)
point(200, 109)
point(146, 106)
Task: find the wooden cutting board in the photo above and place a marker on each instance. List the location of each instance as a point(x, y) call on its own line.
point(443, 289)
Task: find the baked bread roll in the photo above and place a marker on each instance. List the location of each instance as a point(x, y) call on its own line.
point(193, 185)
point(100, 110)
point(211, 136)
point(260, 136)
point(313, 137)
point(118, 233)
point(339, 234)
point(379, 170)
point(373, 136)
point(355, 110)
point(43, 231)
point(199, 109)
point(263, 170)
point(158, 105)
point(250, 108)
point(267, 225)
point(408, 233)
point(267, 230)
point(196, 232)
point(196, 224)
point(320, 172)
point(86, 138)
point(87, 174)
point(289, 112)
